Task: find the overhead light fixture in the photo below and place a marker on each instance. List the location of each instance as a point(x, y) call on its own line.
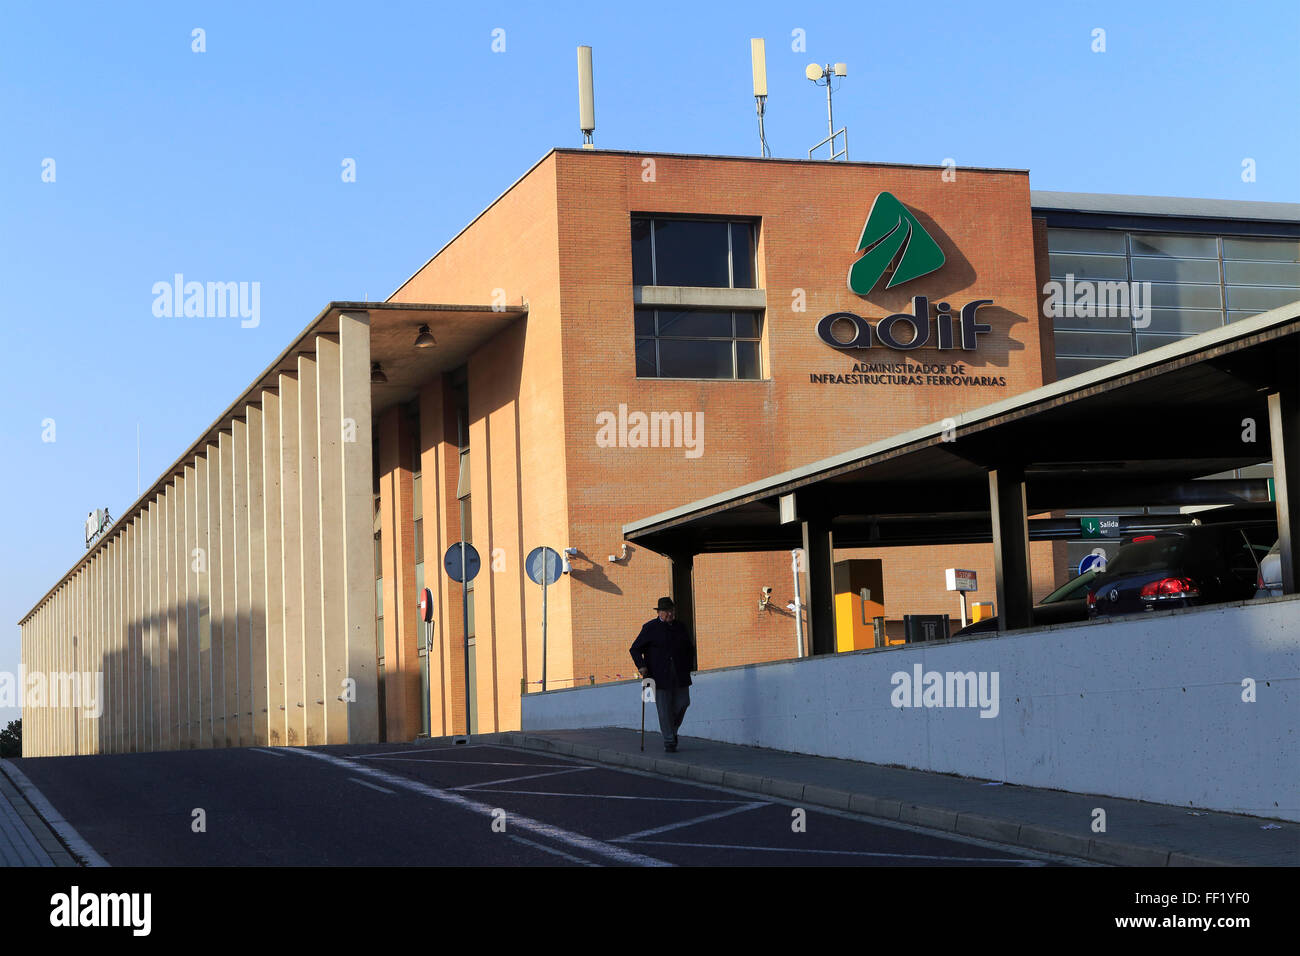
point(377, 376)
point(424, 339)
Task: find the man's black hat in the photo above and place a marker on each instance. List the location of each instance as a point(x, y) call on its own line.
point(665, 604)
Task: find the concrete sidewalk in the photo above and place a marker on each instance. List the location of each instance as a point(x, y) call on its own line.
point(1137, 834)
point(25, 840)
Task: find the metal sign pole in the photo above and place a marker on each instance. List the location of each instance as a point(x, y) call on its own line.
point(464, 610)
point(545, 577)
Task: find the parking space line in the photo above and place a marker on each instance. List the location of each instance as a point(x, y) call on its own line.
point(418, 750)
point(686, 823)
point(551, 849)
point(894, 856)
point(264, 750)
point(531, 776)
point(577, 841)
point(610, 796)
point(468, 763)
point(372, 786)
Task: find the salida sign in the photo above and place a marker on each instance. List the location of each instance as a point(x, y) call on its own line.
point(892, 231)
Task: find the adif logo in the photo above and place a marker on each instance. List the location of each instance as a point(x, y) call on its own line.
point(889, 228)
point(215, 300)
point(102, 909)
point(946, 689)
point(651, 430)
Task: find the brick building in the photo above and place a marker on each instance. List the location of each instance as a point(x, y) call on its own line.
point(617, 334)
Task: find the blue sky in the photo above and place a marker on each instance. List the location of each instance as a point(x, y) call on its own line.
point(225, 166)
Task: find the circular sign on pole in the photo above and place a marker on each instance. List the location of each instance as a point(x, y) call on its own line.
point(426, 605)
point(543, 565)
point(1095, 561)
point(458, 571)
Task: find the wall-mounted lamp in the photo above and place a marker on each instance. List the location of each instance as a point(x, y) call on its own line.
point(377, 376)
point(564, 561)
point(424, 338)
point(764, 598)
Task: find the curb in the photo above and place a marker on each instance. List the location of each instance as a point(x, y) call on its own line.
point(81, 851)
point(999, 830)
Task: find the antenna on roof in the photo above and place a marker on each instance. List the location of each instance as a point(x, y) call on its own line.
point(825, 75)
point(758, 59)
point(586, 98)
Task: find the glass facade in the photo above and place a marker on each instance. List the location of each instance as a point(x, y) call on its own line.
point(1196, 282)
point(697, 343)
point(693, 252)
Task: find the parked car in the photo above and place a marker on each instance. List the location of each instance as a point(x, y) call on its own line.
point(1066, 603)
point(1269, 581)
point(1181, 567)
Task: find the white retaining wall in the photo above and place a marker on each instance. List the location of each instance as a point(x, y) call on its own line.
point(1147, 707)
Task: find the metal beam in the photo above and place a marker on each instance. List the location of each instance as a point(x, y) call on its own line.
point(819, 548)
point(1010, 546)
point(1284, 435)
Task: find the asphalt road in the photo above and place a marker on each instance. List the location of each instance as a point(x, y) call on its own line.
point(467, 805)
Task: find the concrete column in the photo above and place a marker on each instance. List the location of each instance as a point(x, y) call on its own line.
point(188, 664)
point(230, 636)
point(1010, 517)
point(166, 618)
point(1284, 436)
point(356, 475)
point(277, 726)
point(202, 563)
point(819, 548)
point(312, 649)
point(243, 597)
point(216, 597)
point(291, 572)
point(148, 629)
point(255, 581)
point(333, 635)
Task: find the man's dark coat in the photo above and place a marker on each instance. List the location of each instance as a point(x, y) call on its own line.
point(665, 648)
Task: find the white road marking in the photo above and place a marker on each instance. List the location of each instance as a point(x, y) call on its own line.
point(531, 776)
point(470, 763)
point(264, 750)
point(578, 841)
point(895, 856)
point(372, 786)
point(416, 751)
point(551, 849)
point(694, 820)
point(611, 796)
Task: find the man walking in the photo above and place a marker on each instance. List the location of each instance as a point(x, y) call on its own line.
point(664, 652)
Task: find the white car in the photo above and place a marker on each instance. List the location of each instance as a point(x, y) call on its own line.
point(1269, 579)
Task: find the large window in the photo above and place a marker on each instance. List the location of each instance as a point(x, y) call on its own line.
point(693, 252)
point(696, 343)
point(1198, 282)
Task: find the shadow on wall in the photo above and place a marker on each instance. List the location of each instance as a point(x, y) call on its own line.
point(593, 576)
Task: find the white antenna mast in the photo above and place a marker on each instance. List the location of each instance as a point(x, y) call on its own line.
point(758, 59)
point(586, 98)
point(825, 75)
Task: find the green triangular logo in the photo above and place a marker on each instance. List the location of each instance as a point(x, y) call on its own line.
point(889, 228)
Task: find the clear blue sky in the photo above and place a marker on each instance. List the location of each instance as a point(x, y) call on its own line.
point(225, 165)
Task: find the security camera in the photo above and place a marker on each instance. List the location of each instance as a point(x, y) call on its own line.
point(765, 598)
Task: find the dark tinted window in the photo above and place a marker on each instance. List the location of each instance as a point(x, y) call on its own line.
point(691, 253)
point(680, 358)
point(1154, 555)
point(641, 260)
point(1071, 590)
point(695, 324)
